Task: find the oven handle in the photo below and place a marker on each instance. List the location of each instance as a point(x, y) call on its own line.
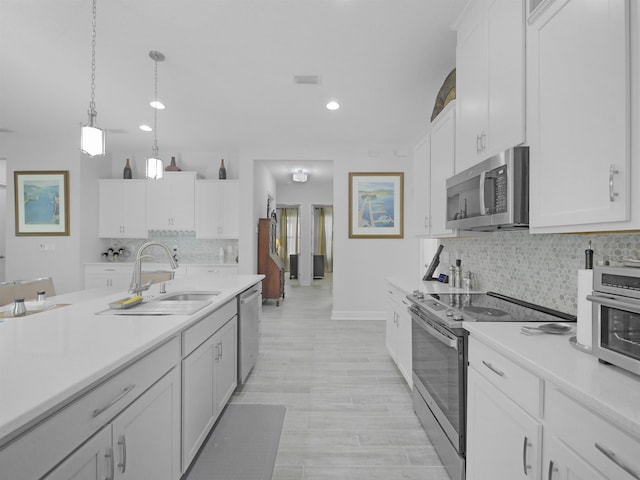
point(449, 342)
point(613, 303)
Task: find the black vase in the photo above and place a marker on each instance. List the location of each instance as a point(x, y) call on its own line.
point(127, 174)
point(222, 173)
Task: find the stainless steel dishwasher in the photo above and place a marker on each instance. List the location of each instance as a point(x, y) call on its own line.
point(249, 318)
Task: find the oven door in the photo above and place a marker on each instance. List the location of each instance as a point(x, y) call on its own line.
point(439, 373)
point(616, 331)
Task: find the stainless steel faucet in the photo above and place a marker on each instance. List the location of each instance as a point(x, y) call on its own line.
point(137, 286)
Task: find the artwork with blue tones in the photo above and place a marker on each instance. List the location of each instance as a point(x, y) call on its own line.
point(376, 205)
point(42, 202)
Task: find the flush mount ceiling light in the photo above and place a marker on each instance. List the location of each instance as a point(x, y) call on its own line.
point(92, 138)
point(299, 176)
point(155, 168)
point(333, 105)
point(145, 128)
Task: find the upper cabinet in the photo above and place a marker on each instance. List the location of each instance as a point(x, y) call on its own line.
point(171, 202)
point(217, 208)
point(122, 209)
point(578, 116)
point(434, 161)
point(490, 63)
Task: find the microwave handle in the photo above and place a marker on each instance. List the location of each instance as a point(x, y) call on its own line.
point(483, 211)
point(613, 303)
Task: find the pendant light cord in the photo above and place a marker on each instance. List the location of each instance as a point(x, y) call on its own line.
point(155, 114)
point(92, 103)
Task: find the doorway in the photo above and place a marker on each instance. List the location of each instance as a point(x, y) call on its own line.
point(322, 241)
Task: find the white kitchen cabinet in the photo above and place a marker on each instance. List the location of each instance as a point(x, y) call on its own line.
point(490, 76)
point(212, 269)
point(579, 443)
point(434, 161)
point(503, 441)
point(217, 210)
point(398, 328)
point(209, 376)
point(116, 276)
point(92, 461)
point(171, 202)
point(578, 125)
point(122, 208)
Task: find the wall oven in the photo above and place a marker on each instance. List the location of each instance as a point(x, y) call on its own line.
point(616, 316)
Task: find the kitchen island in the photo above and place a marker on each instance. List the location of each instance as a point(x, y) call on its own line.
point(53, 361)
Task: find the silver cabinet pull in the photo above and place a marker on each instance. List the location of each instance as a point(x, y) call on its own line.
point(552, 468)
point(98, 411)
point(220, 349)
point(526, 444)
point(122, 444)
point(217, 353)
point(478, 143)
point(493, 369)
point(109, 459)
point(612, 171)
point(612, 456)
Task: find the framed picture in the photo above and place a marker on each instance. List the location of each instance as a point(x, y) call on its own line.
point(42, 202)
point(376, 205)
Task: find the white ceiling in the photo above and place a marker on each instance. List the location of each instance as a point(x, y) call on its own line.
point(228, 75)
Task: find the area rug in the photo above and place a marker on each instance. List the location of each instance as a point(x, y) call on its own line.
point(242, 446)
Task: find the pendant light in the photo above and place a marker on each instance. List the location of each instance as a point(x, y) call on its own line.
point(299, 176)
point(92, 138)
point(155, 168)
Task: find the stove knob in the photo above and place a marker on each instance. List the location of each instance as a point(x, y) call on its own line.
point(457, 317)
point(449, 313)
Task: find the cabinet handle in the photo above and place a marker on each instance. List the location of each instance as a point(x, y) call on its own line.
point(217, 357)
point(98, 411)
point(612, 171)
point(524, 455)
point(493, 369)
point(109, 459)
point(552, 468)
point(483, 141)
point(122, 443)
point(612, 456)
point(478, 143)
point(221, 351)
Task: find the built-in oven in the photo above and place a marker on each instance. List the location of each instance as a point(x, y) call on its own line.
point(616, 317)
point(439, 386)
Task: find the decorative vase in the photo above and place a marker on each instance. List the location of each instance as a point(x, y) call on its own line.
point(222, 173)
point(127, 173)
point(172, 167)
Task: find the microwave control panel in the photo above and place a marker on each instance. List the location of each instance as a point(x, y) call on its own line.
point(496, 190)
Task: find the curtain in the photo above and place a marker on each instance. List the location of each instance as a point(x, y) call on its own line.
point(324, 236)
point(282, 248)
point(289, 234)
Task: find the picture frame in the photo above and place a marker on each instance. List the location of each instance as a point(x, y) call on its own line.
point(376, 205)
point(42, 202)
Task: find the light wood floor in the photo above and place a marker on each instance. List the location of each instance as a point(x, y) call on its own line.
point(349, 412)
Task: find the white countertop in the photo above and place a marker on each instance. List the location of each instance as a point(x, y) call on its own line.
point(607, 390)
point(50, 357)
point(409, 285)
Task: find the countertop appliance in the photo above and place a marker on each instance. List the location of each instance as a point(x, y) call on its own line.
point(439, 355)
point(491, 195)
point(616, 316)
point(249, 318)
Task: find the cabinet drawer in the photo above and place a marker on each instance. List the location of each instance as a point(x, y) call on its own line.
point(50, 441)
point(606, 447)
point(520, 385)
point(198, 333)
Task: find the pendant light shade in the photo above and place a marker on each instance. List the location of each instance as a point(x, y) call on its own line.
point(93, 138)
point(155, 167)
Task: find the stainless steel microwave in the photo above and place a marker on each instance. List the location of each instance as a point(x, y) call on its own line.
point(491, 195)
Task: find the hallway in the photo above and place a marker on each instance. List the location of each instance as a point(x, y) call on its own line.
point(349, 412)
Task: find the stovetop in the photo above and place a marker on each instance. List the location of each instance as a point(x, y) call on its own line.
point(453, 308)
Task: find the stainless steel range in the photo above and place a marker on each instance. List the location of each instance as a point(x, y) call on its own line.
point(439, 345)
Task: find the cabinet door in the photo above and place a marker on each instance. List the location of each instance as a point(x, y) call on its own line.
point(404, 341)
point(443, 138)
point(578, 128)
point(92, 461)
point(146, 436)
point(564, 464)
point(421, 185)
point(503, 441)
point(159, 205)
point(182, 192)
point(109, 209)
point(207, 208)
point(134, 209)
point(113, 277)
point(122, 209)
point(226, 364)
point(198, 411)
point(392, 324)
point(229, 209)
point(471, 86)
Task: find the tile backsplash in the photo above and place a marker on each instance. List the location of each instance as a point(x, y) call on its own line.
point(189, 248)
point(541, 269)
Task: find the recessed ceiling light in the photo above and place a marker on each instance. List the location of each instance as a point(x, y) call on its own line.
point(145, 128)
point(157, 104)
point(333, 105)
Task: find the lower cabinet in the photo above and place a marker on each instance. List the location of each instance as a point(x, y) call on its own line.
point(116, 277)
point(567, 464)
point(398, 339)
point(503, 441)
point(209, 377)
point(142, 442)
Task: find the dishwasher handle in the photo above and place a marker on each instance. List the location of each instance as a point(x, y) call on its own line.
point(250, 297)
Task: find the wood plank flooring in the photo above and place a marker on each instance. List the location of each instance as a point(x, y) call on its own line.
point(349, 412)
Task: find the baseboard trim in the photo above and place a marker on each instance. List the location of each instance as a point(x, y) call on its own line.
point(357, 315)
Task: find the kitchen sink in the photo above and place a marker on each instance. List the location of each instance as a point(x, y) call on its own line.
point(179, 303)
point(188, 296)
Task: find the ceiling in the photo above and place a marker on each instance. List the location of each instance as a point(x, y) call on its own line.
point(227, 79)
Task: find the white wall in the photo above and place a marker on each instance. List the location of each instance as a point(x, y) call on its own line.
point(306, 195)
